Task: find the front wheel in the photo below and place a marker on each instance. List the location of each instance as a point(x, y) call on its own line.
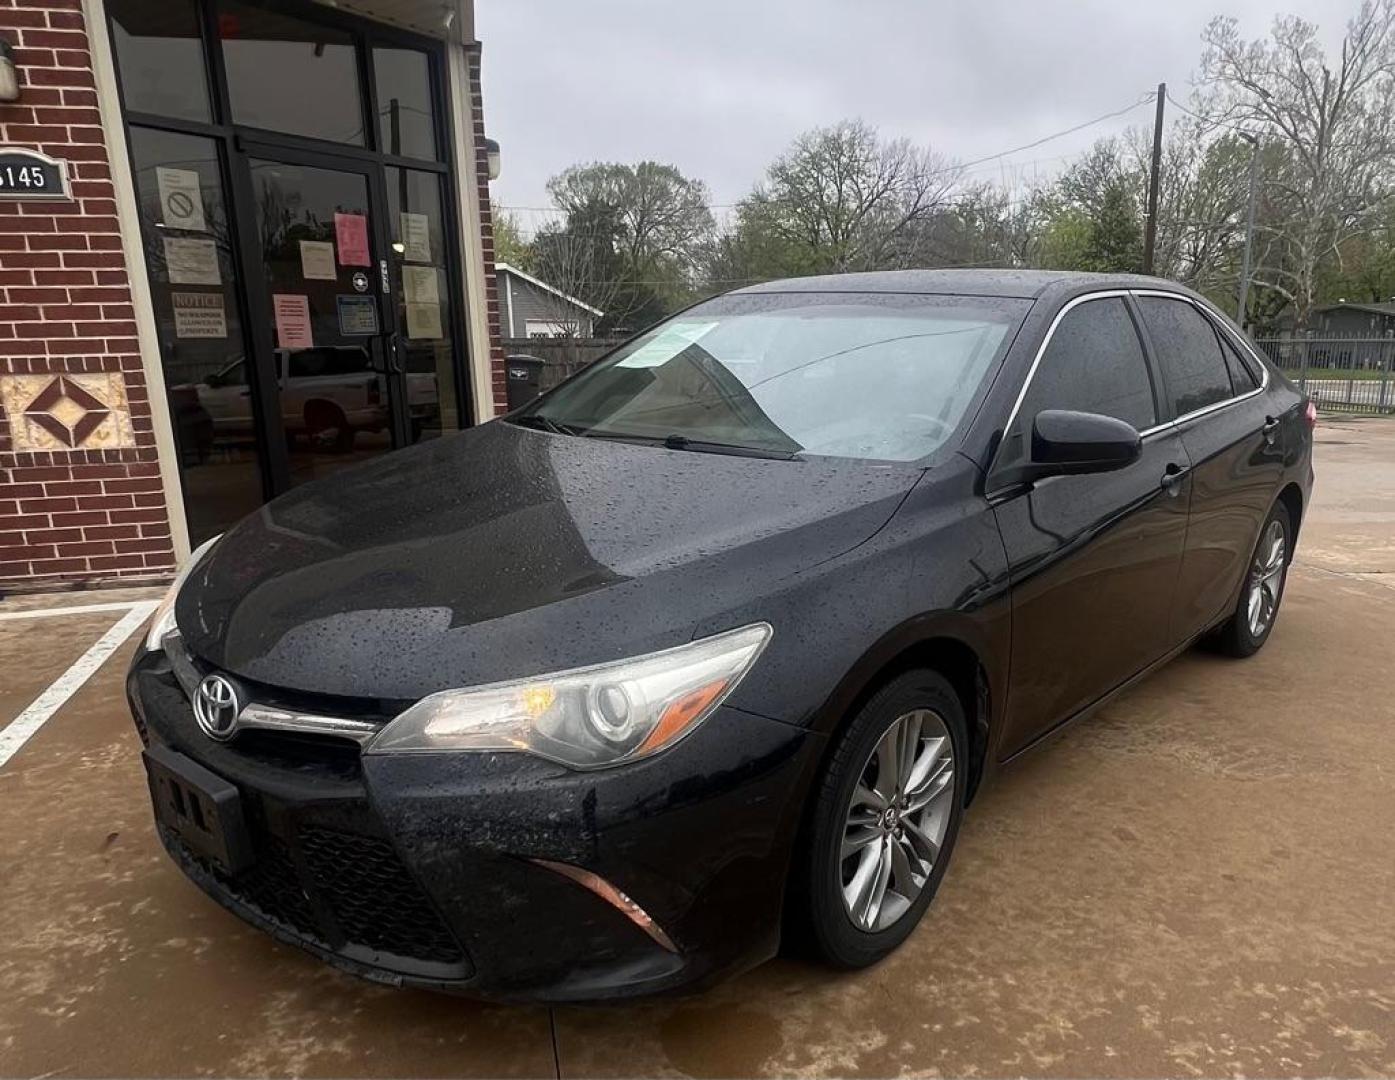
point(885, 819)
point(1249, 626)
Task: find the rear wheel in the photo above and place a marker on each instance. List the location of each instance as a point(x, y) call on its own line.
point(885, 819)
point(1249, 626)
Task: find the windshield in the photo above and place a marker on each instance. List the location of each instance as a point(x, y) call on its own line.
point(876, 376)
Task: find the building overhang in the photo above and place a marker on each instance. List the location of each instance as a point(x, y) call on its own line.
point(447, 20)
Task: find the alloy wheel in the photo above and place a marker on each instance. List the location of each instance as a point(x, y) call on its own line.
point(1266, 580)
point(896, 820)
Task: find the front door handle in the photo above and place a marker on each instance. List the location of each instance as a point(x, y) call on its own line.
point(1173, 476)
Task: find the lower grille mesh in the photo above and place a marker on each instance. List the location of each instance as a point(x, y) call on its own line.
point(373, 898)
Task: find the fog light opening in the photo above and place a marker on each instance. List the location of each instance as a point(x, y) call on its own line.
point(615, 898)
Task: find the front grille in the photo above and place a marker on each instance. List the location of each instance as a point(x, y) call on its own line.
point(373, 898)
point(323, 874)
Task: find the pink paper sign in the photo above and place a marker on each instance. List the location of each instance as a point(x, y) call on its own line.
point(292, 321)
point(351, 231)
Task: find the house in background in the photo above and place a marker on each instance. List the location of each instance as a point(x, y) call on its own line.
point(530, 308)
point(1354, 320)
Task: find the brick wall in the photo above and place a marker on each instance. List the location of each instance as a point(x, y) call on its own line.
point(491, 289)
point(80, 492)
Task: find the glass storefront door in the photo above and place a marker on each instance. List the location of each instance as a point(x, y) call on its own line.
point(296, 196)
point(330, 360)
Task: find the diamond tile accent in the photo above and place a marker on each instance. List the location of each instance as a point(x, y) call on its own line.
point(67, 411)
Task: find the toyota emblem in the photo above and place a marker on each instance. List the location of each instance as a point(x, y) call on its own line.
point(216, 707)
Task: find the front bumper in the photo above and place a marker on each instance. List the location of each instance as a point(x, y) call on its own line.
point(427, 869)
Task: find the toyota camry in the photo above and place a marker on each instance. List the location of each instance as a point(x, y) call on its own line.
point(708, 648)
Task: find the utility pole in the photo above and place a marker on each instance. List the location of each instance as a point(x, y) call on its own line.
point(1249, 230)
point(1150, 231)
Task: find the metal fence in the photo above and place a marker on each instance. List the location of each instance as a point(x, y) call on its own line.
point(560, 356)
point(1344, 374)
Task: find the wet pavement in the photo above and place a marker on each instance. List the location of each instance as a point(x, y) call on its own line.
point(1198, 880)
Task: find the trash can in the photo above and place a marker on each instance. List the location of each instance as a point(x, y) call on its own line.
point(523, 377)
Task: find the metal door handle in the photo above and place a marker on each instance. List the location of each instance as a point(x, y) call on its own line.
point(1271, 425)
point(1172, 477)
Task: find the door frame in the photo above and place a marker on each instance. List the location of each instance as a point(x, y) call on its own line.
point(263, 373)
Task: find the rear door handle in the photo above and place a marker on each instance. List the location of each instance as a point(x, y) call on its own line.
point(1173, 476)
point(1271, 425)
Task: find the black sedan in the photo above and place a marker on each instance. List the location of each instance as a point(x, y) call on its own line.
point(710, 646)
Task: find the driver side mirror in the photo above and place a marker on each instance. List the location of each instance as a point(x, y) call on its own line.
point(1066, 443)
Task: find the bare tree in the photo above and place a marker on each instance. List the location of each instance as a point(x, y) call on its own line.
point(1336, 127)
point(842, 199)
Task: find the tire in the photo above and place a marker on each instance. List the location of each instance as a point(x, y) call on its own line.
point(823, 875)
point(1240, 635)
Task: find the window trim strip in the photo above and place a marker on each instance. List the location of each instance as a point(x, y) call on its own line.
point(1166, 425)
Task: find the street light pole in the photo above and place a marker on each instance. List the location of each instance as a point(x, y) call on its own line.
point(1249, 230)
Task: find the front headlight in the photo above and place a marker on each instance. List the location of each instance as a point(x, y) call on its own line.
point(586, 718)
point(162, 621)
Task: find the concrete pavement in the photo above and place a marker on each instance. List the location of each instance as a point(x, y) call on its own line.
point(1199, 880)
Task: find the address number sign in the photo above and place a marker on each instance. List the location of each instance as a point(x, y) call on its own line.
point(28, 174)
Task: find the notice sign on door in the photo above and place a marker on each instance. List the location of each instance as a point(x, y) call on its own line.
point(358, 315)
point(181, 200)
point(199, 315)
point(317, 260)
point(191, 262)
point(292, 321)
point(351, 231)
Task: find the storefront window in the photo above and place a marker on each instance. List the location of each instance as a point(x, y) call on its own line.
point(420, 285)
point(160, 55)
point(286, 74)
point(185, 228)
point(406, 126)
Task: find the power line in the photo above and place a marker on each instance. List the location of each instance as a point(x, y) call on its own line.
point(959, 167)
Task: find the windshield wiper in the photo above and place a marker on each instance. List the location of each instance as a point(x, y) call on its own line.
point(699, 446)
point(544, 423)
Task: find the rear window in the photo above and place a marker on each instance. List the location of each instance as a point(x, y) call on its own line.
point(881, 377)
point(1189, 351)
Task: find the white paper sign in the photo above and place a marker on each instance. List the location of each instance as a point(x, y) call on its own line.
point(416, 236)
point(419, 285)
point(317, 260)
point(191, 262)
point(199, 315)
point(423, 321)
point(181, 200)
point(666, 344)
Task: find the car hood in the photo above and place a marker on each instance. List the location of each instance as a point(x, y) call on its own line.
point(503, 552)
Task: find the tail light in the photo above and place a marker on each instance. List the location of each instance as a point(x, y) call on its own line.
point(1310, 414)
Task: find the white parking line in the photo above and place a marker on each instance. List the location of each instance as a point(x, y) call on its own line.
point(22, 727)
point(81, 609)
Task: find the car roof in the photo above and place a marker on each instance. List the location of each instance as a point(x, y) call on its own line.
point(1023, 284)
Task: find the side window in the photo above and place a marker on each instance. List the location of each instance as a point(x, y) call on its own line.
point(1093, 363)
point(1189, 351)
point(1243, 376)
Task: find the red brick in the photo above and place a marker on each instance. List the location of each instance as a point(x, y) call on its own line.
point(112, 532)
point(37, 568)
point(47, 506)
point(108, 502)
point(126, 547)
point(26, 551)
point(131, 486)
point(62, 277)
point(145, 514)
point(38, 473)
point(58, 39)
point(54, 536)
point(73, 487)
point(86, 547)
point(80, 517)
point(32, 258)
point(117, 562)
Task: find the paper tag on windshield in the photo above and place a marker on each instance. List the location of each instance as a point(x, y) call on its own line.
point(667, 344)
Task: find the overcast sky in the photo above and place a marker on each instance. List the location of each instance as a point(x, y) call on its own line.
point(719, 88)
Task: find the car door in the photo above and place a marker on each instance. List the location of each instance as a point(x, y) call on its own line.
point(1225, 423)
point(1093, 559)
